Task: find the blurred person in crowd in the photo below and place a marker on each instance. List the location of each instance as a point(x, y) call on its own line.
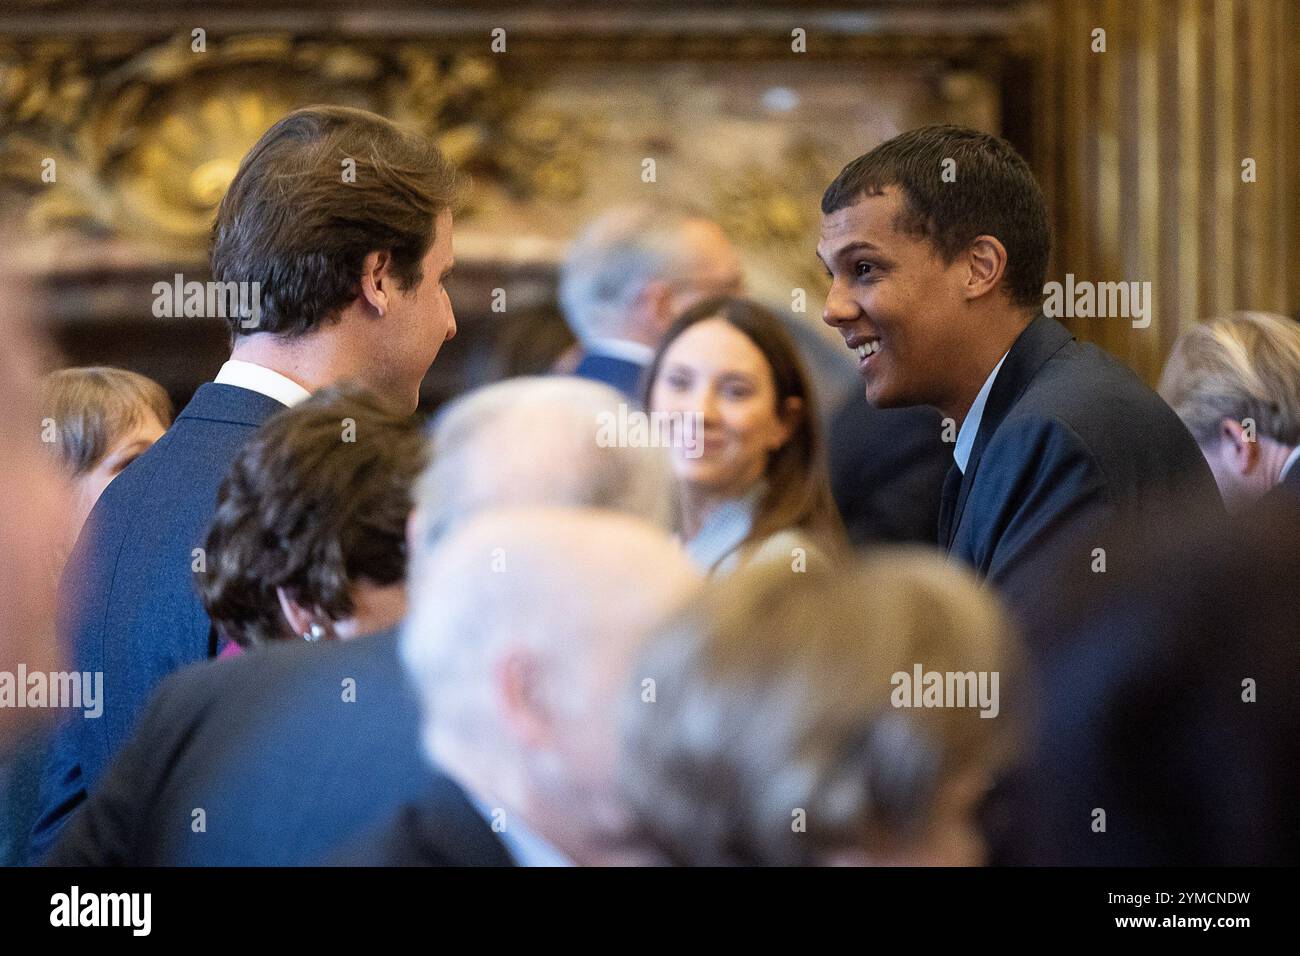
point(628, 274)
point(100, 420)
point(779, 734)
point(752, 480)
point(96, 421)
point(1170, 727)
point(532, 340)
point(308, 542)
point(520, 642)
point(292, 750)
point(1235, 383)
point(348, 284)
point(35, 515)
point(938, 287)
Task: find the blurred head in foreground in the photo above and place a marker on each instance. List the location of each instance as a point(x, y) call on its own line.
point(34, 499)
point(309, 536)
point(520, 641)
point(1235, 383)
point(1171, 727)
point(100, 420)
point(780, 731)
point(533, 442)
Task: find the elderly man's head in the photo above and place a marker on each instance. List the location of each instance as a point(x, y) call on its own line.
point(1235, 383)
point(533, 442)
point(520, 641)
point(790, 727)
point(635, 268)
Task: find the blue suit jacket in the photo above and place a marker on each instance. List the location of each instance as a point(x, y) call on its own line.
point(1070, 442)
point(128, 604)
point(624, 375)
point(291, 751)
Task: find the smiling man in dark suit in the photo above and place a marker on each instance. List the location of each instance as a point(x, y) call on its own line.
point(339, 224)
point(937, 245)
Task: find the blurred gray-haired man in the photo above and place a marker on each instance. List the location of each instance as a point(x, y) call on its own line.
point(629, 273)
point(523, 629)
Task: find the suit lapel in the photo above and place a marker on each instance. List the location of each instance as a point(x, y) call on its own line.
point(1040, 340)
point(948, 505)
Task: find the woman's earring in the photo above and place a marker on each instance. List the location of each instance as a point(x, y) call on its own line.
point(315, 633)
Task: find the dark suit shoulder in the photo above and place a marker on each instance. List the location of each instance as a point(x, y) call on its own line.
point(1087, 388)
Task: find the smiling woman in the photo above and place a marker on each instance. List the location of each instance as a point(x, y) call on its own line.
point(754, 481)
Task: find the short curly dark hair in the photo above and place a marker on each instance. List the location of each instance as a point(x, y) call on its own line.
point(316, 500)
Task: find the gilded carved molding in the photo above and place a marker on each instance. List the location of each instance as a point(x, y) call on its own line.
point(139, 142)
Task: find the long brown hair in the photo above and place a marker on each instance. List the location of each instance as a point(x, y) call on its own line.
point(798, 482)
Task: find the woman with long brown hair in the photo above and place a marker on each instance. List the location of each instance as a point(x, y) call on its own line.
point(752, 477)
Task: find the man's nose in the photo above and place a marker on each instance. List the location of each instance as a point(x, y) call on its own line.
point(840, 307)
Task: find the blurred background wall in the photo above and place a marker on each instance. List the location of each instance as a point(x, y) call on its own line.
point(122, 122)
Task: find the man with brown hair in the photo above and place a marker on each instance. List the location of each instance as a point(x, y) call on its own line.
point(340, 223)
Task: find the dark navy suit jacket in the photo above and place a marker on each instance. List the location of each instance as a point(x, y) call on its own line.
point(621, 373)
point(128, 604)
point(289, 751)
point(887, 470)
point(1291, 483)
point(442, 829)
point(1070, 441)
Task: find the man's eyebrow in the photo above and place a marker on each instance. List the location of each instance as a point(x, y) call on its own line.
point(855, 246)
point(851, 247)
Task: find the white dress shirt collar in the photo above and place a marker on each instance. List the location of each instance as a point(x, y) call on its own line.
point(1287, 465)
point(525, 847)
point(971, 426)
point(264, 381)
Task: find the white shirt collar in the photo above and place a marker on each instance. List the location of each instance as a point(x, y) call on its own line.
point(1287, 465)
point(264, 381)
point(637, 352)
point(525, 847)
point(971, 426)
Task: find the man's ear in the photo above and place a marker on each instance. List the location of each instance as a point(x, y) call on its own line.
point(1241, 452)
point(987, 264)
point(516, 680)
point(377, 281)
point(654, 306)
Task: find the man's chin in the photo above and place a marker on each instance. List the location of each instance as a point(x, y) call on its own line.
point(881, 396)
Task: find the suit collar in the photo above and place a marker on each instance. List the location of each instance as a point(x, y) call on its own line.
point(230, 403)
point(1290, 472)
point(1291, 479)
point(450, 829)
point(1040, 340)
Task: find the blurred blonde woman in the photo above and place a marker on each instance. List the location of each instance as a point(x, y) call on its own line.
point(97, 421)
point(780, 735)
